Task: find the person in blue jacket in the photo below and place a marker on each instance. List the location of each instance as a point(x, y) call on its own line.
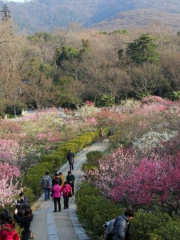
point(122, 225)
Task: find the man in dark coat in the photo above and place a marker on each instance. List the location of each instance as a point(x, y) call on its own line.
point(22, 203)
point(122, 225)
point(70, 157)
point(70, 179)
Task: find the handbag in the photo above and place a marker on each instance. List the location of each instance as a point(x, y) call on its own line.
point(32, 236)
point(69, 194)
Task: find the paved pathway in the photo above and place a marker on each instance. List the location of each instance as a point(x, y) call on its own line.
point(63, 225)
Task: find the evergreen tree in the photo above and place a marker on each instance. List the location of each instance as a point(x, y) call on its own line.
point(143, 50)
point(5, 13)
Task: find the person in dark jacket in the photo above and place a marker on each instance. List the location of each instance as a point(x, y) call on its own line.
point(70, 157)
point(22, 203)
point(122, 225)
point(25, 222)
point(56, 178)
point(70, 179)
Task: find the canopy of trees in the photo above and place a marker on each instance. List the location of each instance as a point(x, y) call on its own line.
point(69, 66)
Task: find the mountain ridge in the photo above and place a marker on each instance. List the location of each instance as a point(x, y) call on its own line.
point(46, 15)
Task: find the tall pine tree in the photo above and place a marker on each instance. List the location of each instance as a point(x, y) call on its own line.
point(143, 50)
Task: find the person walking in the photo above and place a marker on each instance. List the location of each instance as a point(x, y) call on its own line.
point(70, 179)
point(70, 157)
point(8, 230)
point(122, 225)
point(25, 222)
point(101, 134)
point(62, 178)
point(66, 189)
point(56, 194)
point(46, 184)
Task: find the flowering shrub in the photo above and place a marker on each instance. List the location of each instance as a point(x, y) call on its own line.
point(140, 182)
point(92, 121)
point(153, 139)
point(129, 105)
point(108, 118)
point(152, 183)
point(87, 110)
point(155, 99)
point(10, 151)
point(89, 103)
point(9, 184)
point(115, 166)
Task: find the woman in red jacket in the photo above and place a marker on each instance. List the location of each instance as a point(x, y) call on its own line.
point(66, 189)
point(8, 230)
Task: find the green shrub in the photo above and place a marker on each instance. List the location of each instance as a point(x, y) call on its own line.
point(86, 167)
point(154, 226)
point(92, 161)
point(33, 178)
point(93, 156)
point(57, 158)
point(94, 208)
point(170, 231)
point(68, 146)
point(29, 193)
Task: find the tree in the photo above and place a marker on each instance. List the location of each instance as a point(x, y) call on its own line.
point(38, 85)
point(69, 91)
point(143, 50)
point(66, 53)
point(5, 13)
point(9, 184)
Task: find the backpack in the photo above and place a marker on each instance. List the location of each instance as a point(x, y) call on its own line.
point(109, 229)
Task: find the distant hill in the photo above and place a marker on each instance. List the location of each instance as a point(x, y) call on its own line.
point(140, 18)
point(45, 15)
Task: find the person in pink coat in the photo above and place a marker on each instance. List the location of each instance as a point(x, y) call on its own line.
point(67, 192)
point(8, 230)
point(56, 194)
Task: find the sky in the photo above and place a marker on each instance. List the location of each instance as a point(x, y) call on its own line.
point(16, 0)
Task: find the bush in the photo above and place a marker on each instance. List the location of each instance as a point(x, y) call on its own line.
point(94, 209)
point(58, 158)
point(92, 161)
point(29, 193)
point(33, 178)
point(68, 146)
point(154, 226)
point(86, 167)
point(93, 156)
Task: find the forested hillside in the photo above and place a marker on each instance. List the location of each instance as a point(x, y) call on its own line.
point(46, 15)
point(68, 67)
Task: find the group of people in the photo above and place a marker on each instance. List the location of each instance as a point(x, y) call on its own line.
point(57, 187)
point(102, 134)
point(22, 216)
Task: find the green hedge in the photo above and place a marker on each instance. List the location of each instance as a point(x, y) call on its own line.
point(92, 161)
point(93, 156)
point(94, 210)
point(34, 175)
point(51, 162)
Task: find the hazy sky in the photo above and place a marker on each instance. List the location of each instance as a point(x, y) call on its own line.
point(16, 0)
